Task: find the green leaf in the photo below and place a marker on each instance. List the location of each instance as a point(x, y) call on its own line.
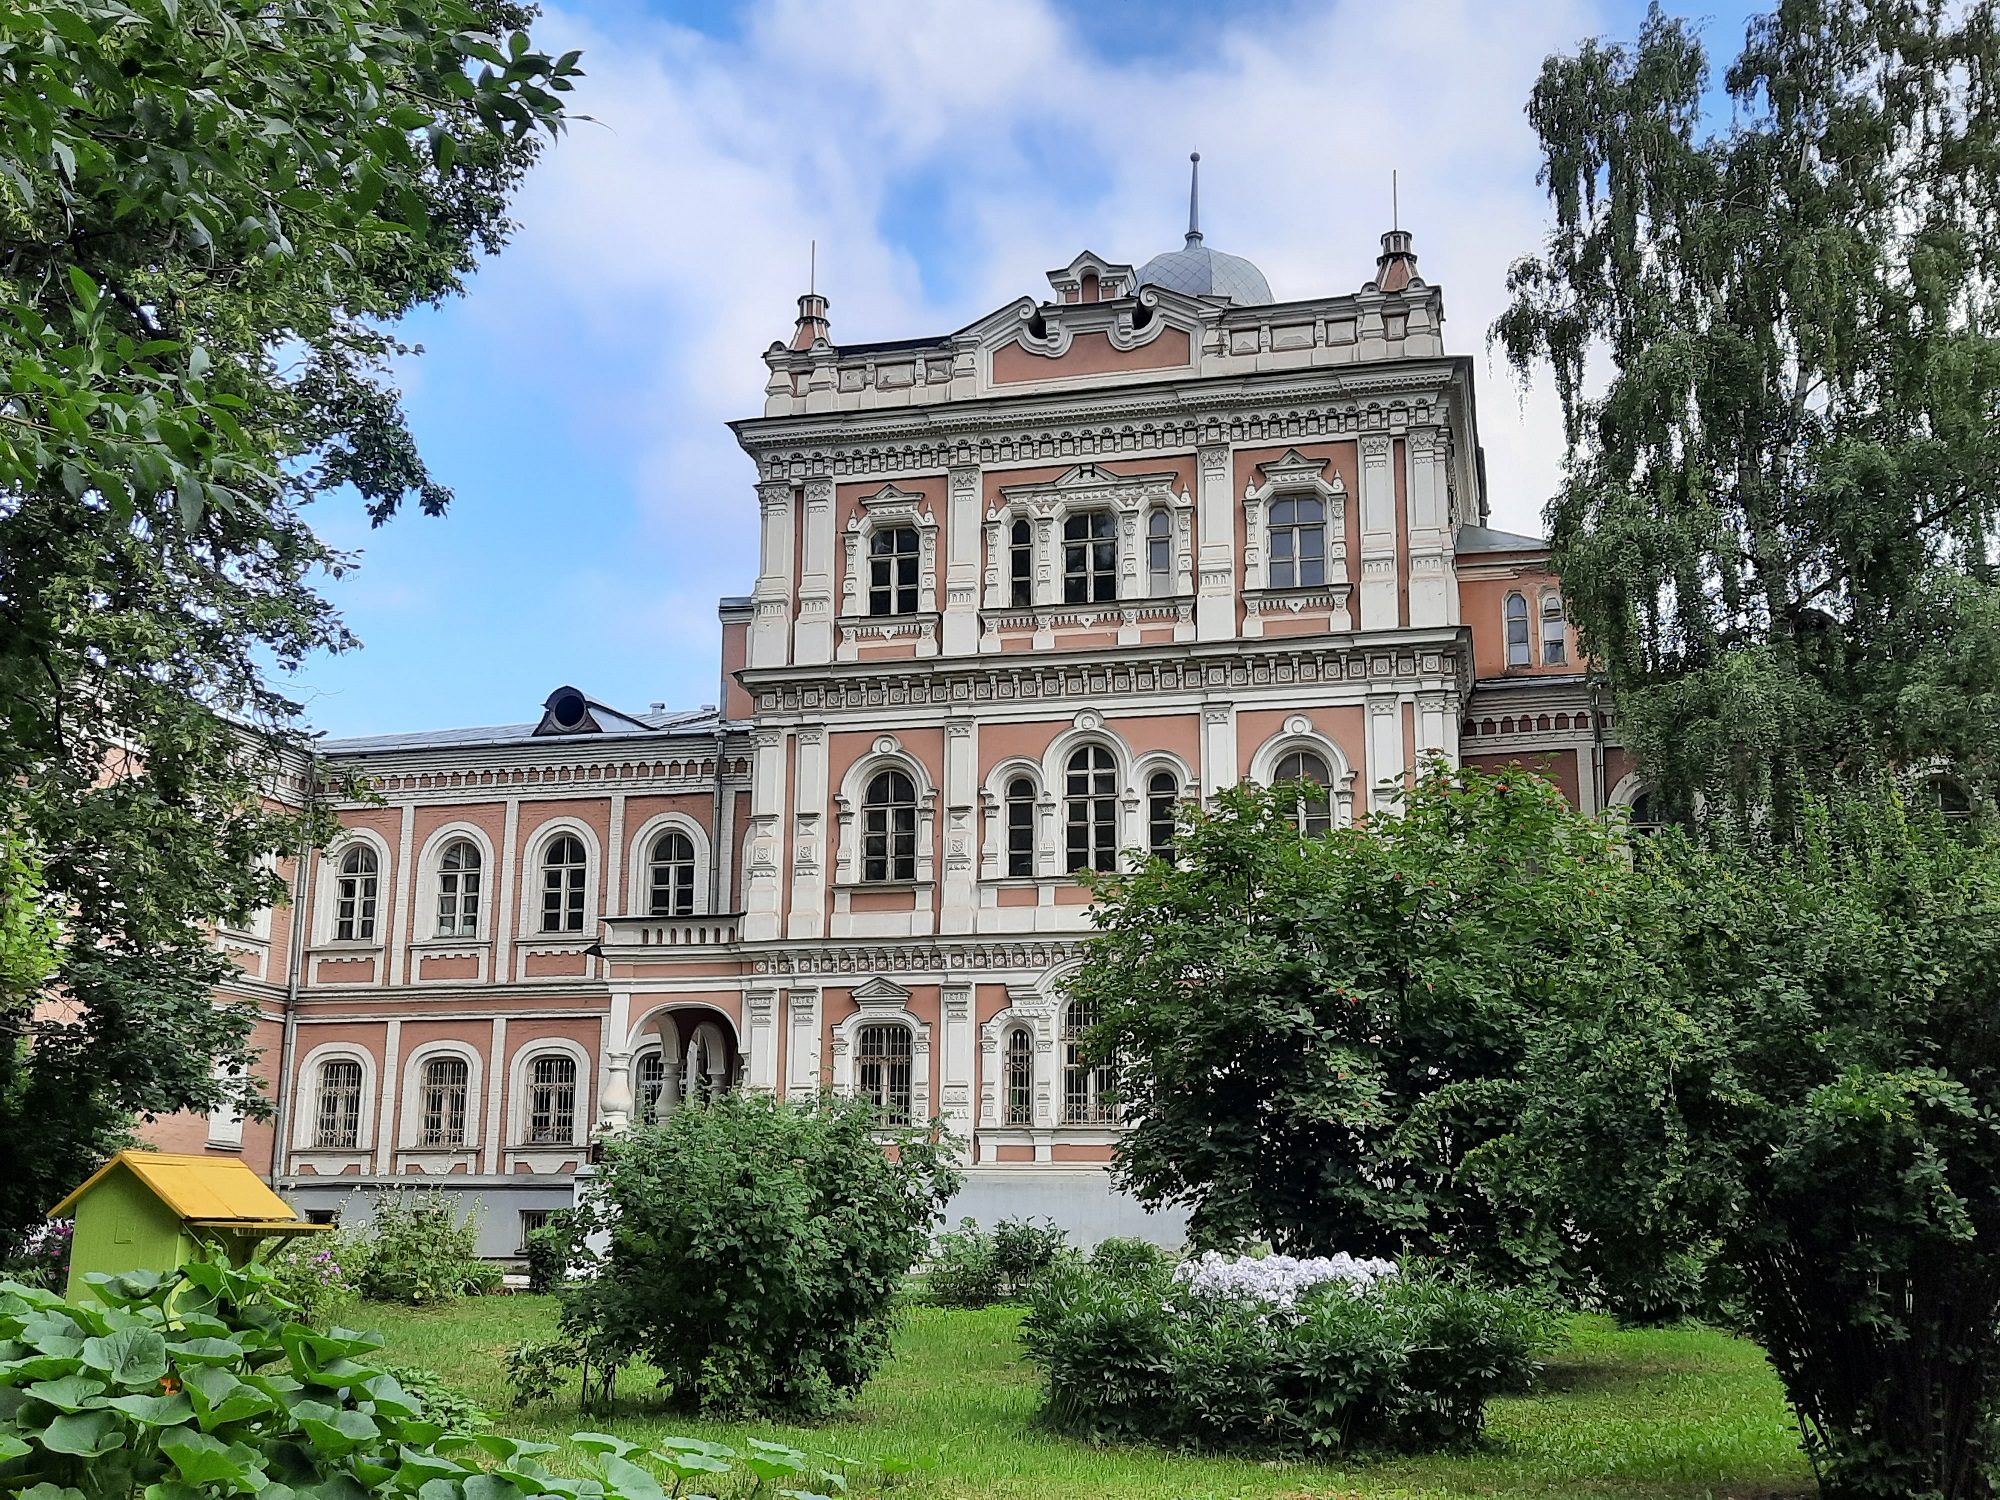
point(12, 1447)
point(202, 1459)
point(155, 1411)
point(602, 1442)
point(84, 1433)
point(206, 1351)
point(132, 1356)
point(629, 1480)
point(490, 1487)
point(70, 1393)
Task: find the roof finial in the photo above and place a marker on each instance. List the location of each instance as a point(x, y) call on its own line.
point(1395, 202)
point(1194, 199)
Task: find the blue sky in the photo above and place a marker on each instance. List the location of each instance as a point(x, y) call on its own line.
point(944, 155)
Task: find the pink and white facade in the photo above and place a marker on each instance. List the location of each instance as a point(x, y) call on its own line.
point(1023, 589)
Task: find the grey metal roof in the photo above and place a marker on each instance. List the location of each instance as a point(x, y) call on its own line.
point(1486, 539)
point(1201, 272)
point(615, 725)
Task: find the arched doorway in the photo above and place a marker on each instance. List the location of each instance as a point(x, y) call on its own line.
point(683, 1053)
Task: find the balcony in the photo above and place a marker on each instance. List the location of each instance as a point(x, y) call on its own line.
point(643, 937)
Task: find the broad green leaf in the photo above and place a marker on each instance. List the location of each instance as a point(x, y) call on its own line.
point(12, 1447)
point(206, 1351)
point(202, 1459)
point(84, 1433)
point(602, 1442)
point(47, 1491)
point(155, 1411)
point(70, 1393)
point(696, 1445)
point(490, 1487)
point(132, 1356)
point(629, 1480)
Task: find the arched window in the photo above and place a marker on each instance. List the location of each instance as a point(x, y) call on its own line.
point(1647, 812)
point(442, 1102)
point(1090, 807)
point(882, 1071)
point(672, 865)
point(1021, 564)
point(1948, 795)
point(892, 571)
point(1159, 553)
point(339, 1126)
point(458, 890)
point(1555, 633)
point(1090, 557)
point(354, 896)
point(652, 1073)
point(552, 1099)
point(1519, 652)
point(1298, 542)
point(1020, 827)
point(889, 828)
point(562, 885)
point(1163, 800)
point(1020, 1077)
point(1314, 815)
point(1087, 1085)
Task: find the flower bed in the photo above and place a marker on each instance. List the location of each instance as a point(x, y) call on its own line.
point(1279, 1354)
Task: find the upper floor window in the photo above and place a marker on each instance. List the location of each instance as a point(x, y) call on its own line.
point(354, 896)
point(1159, 554)
point(1313, 815)
point(1519, 652)
point(882, 1071)
point(1020, 1077)
point(892, 571)
point(1021, 565)
point(1163, 800)
point(552, 1099)
point(652, 1079)
point(562, 885)
point(1298, 542)
point(672, 868)
point(889, 828)
point(339, 1124)
point(1091, 810)
point(1087, 1084)
point(1090, 558)
point(1020, 827)
point(443, 1102)
point(458, 890)
point(1555, 636)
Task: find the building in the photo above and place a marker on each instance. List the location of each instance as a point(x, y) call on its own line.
point(1024, 587)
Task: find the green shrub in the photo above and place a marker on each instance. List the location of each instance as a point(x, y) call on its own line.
point(961, 1272)
point(457, 1413)
point(1407, 1363)
point(1024, 1250)
point(194, 1386)
point(318, 1274)
point(420, 1250)
point(551, 1248)
point(755, 1250)
point(1131, 1259)
point(41, 1256)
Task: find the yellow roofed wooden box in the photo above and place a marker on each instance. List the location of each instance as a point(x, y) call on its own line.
point(147, 1211)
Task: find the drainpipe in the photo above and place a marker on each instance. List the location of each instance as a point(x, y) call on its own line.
point(295, 966)
point(715, 830)
point(1597, 786)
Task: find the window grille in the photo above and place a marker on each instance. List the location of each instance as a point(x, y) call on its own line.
point(892, 571)
point(1087, 1085)
point(531, 1220)
point(1020, 827)
point(1298, 543)
point(458, 890)
point(652, 1079)
point(1555, 635)
point(1160, 554)
point(339, 1105)
point(562, 885)
point(1163, 800)
point(354, 897)
point(1518, 649)
point(1021, 564)
point(552, 1100)
point(1313, 814)
point(672, 875)
point(1020, 1077)
point(1090, 558)
point(1091, 810)
point(889, 828)
point(882, 1071)
point(443, 1102)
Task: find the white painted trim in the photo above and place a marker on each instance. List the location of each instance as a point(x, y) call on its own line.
point(412, 1095)
point(428, 869)
point(326, 903)
point(305, 1122)
point(519, 1090)
point(639, 860)
point(533, 849)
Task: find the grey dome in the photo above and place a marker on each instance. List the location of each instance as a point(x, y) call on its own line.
point(1201, 272)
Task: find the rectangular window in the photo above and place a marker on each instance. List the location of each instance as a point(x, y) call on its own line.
point(1087, 1084)
point(339, 1106)
point(1021, 565)
point(892, 571)
point(1090, 558)
point(1021, 829)
point(444, 1087)
point(531, 1220)
point(552, 1101)
point(1555, 635)
point(882, 1071)
point(1520, 653)
point(1298, 543)
point(1159, 554)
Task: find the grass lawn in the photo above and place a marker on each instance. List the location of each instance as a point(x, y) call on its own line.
point(1682, 1412)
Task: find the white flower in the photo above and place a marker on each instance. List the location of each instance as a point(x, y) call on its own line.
point(1278, 1279)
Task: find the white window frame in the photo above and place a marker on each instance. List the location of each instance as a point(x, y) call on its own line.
point(430, 884)
point(327, 908)
point(881, 1002)
point(640, 861)
point(1087, 487)
point(534, 851)
point(521, 1090)
point(889, 507)
point(410, 1124)
point(1560, 618)
point(1299, 733)
point(1528, 624)
point(1296, 476)
point(887, 754)
point(305, 1123)
point(1029, 1012)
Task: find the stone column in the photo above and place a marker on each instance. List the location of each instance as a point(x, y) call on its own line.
point(771, 625)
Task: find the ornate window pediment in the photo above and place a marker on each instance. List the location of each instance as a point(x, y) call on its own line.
point(881, 994)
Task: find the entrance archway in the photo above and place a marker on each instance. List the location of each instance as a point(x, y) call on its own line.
point(697, 1056)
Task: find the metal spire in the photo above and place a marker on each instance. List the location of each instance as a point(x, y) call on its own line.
point(1194, 199)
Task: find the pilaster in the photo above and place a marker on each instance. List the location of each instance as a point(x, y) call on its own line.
point(1433, 584)
point(388, 1086)
point(771, 624)
point(763, 898)
point(802, 1064)
point(961, 578)
point(812, 640)
point(961, 815)
point(1218, 748)
point(1386, 758)
point(807, 915)
point(961, 1047)
point(1215, 601)
point(1379, 609)
point(760, 1038)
